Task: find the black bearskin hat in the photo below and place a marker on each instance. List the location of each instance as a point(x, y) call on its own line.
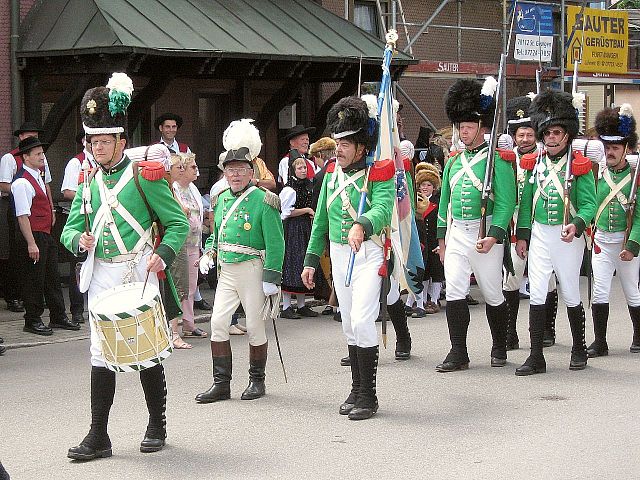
point(617, 126)
point(471, 101)
point(103, 110)
point(349, 118)
point(553, 107)
point(518, 113)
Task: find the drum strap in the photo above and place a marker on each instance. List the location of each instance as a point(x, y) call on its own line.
point(233, 208)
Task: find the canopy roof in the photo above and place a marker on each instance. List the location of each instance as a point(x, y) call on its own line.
point(298, 30)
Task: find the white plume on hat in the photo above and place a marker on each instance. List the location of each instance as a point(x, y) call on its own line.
point(242, 133)
point(372, 104)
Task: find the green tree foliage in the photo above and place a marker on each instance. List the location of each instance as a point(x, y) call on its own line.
point(626, 4)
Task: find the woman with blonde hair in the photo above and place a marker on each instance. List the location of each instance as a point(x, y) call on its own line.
point(184, 171)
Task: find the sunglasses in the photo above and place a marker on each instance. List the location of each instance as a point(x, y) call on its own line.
point(555, 132)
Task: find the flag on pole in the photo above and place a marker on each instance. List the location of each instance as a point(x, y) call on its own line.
point(408, 267)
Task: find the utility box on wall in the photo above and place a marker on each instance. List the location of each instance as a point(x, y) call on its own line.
point(287, 117)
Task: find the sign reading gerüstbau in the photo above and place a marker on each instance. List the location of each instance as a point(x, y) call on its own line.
point(604, 46)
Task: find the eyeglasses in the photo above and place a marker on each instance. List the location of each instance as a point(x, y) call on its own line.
point(555, 132)
point(236, 171)
point(104, 143)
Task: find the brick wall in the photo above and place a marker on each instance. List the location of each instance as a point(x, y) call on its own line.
point(6, 137)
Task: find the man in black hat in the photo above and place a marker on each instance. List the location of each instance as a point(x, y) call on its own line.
point(616, 243)
point(37, 249)
point(524, 138)
point(169, 124)
point(9, 165)
point(470, 107)
point(553, 245)
point(298, 138)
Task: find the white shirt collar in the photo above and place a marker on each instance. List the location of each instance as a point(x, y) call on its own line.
point(35, 174)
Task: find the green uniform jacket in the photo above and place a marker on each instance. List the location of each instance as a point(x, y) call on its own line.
point(336, 221)
point(161, 201)
point(614, 217)
point(466, 199)
point(164, 206)
point(254, 223)
point(549, 211)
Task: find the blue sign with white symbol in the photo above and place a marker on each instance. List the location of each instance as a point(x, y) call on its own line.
point(531, 19)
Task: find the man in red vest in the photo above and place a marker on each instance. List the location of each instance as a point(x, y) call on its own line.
point(37, 249)
point(10, 163)
point(169, 124)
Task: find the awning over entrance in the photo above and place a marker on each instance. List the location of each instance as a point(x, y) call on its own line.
point(269, 32)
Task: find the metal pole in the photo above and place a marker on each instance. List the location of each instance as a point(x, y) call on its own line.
point(16, 84)
point(563, 19)
point(415, 106)
point(426, 24)
point(505, 43)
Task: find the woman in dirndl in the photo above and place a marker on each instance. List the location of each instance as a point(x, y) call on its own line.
point(297, 216)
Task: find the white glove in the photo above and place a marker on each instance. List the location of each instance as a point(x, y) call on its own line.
point(269, 289)
point(206, 263)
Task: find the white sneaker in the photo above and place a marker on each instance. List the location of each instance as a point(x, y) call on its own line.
point(234, 330)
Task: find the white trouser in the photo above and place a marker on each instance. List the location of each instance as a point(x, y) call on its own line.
point(604, 264)
point(105, 276)
point(360, 302)
point(512, 283)
point(461, 259)
point(548, 254)
point(239, 283)
point(394, 292)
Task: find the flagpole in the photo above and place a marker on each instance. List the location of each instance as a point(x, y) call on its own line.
point(391, 38)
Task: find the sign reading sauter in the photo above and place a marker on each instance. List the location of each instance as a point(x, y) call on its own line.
point(600, 40)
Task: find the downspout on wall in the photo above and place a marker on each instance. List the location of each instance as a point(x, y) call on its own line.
point(16, 84)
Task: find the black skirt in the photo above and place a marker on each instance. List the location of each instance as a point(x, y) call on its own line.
point(297, 232)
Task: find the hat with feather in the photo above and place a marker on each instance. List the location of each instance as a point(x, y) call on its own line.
point(617, 125)
point(427, 172)
point(518, 113)
point(242, 141)
point(351, 118)
point(104, 109)
point(553, 107)
point(471, 101)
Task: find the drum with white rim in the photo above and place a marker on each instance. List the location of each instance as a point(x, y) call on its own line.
point(133, 329)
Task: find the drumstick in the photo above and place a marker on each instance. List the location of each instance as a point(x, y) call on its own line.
point(156, 242)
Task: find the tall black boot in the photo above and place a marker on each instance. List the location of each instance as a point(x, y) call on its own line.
point(535, 363)
point(257, 364)
point(350, 402)
point(97, 443)
point(635, 320)
point(154, 386)
point(367, 401)
point(600, 314)
point(403, 338)
point(513, 304)
point(497, 317)
point(550, 323)
point(458, 322)
point(222, 366)
point(579, 348)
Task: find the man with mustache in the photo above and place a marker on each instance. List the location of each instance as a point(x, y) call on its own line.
point(615, 249)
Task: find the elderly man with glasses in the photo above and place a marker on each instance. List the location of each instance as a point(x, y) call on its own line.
point(554, 245)
point(248, 239)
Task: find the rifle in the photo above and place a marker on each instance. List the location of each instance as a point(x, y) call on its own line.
point(568, 175)
point(493, 143)
point(631, 208)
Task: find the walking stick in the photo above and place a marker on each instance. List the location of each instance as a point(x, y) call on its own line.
point(274, 312)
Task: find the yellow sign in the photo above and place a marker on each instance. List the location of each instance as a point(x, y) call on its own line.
point(604, 46)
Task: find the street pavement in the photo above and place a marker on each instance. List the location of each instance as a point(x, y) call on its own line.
point(484, 423)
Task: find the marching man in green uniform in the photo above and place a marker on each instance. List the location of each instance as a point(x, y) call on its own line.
point(120, 248)
point(470, 106)
point(336, 217)
point(248, 239)
point(616, 128)
point(554, 247)
point(524, 138)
